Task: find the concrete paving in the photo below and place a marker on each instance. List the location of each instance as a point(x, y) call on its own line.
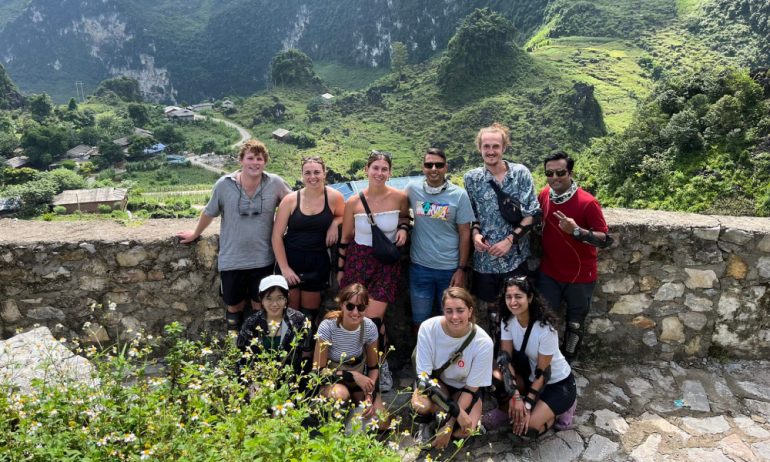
point(658, 411)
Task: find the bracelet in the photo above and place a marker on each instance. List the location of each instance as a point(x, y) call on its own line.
point(405, 226)
point(511, 238)
point(343, 245)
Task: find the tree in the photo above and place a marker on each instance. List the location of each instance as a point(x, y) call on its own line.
point(43, 143)
point(72, 105)
point(126, 88)
point(138, 114)
point(293, 68)
point(399, 56)
point(40, 106)
point(138, 145)
point(110, 154)
point(167, 134)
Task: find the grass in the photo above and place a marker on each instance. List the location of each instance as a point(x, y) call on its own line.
point(347, 77)
point(175, 176)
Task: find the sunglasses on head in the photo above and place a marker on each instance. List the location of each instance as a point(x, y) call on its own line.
point(430, 165)
point(352, 306)
point(385, 154)
point(520, 281)
point(559, 173)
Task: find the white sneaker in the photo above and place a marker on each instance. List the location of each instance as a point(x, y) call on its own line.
point(386, 378)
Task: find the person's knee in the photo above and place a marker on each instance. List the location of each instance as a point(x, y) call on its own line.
point(421, 404)
point(340, 392)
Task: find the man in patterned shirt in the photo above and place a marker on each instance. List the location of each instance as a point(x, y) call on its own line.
point(501, 248)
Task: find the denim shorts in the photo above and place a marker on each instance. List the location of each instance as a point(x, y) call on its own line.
point(426, 287)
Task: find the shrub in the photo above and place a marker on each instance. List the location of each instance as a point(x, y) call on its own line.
point(103, 208)
point(60, 210)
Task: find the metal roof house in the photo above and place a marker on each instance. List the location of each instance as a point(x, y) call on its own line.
point(17, 162)
point(88, 200)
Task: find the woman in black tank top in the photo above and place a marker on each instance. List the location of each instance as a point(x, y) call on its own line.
point(306, 224)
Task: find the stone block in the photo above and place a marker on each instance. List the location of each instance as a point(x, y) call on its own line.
point(155, 275)
point(10, 313)
point(60, 272)
point(647, 451)
point(650, 339)
point(600, 448)
point(672, 330)
point(643, 322)
point(694, 396)
point(669, 291)
point(95, 333)
point(737, 236)
point(131, 276)
point(132, 257)
point(736, 267)
point(611, 422)
point(631, 304)
point(46, 313)
point(648, 283)
point(693, 320)
point(763, 267)
point(764, 244)
point(600, 326)
point(693, 347)
point(92, 283)
point(698, 303)
point(700, 279)
point(727, 305)
point(707, 234)
point(206, 252)
point(618, 286)
point(705, 426)
point(90, 248)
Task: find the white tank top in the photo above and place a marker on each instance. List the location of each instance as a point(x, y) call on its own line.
point(386, 221)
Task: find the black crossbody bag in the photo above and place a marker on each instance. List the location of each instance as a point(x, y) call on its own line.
point(384, 250)
point(510, 208)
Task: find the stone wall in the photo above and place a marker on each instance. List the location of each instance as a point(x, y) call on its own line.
point(673, 284)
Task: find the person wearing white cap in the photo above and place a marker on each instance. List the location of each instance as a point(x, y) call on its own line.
point(275, 328)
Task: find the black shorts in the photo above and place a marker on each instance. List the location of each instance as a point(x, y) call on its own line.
point(239, 284)
point(488, 286)
point(312, 267)
point(559, 396)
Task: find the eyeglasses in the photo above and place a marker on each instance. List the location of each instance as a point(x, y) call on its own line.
point(244, 205)
point(352, 306)
point(274, 301)
point(559, 173)
point(430, 165)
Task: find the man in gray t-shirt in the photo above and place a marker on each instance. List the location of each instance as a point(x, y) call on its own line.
point(441, 243)
point(246, 201)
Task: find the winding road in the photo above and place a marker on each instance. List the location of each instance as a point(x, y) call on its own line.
point(245, 136)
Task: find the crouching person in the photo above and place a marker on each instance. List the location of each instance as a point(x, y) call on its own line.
point(276, 328)
point(453, 362)
point(533, 381)
point(346, 346)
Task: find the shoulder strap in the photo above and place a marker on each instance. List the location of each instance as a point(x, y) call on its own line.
point(456, 355)
point(495, 186)
point(526, 335)
point(366, 208)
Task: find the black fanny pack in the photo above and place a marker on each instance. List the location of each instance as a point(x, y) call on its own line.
point(510, 208)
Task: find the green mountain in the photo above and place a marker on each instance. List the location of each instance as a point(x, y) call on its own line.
point(10, 98)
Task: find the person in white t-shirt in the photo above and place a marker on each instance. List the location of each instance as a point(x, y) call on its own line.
point(541, 387)
point(450, 383)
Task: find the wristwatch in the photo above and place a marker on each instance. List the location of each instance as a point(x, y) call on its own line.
point(576, 232)
point(527, 406)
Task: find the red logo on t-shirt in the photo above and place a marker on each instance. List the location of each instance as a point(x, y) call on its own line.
point(461, 363)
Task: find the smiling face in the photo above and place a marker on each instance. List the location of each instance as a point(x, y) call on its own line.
point(353, 318)
point(434, 175)
point(559, 184)
point(457, 315)
point(491, 146)
point(378, 171)
point(274, 303)
point(252, 164)
point(517, 301)
point(313, 174)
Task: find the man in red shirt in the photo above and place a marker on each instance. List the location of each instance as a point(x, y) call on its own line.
point(573, 227)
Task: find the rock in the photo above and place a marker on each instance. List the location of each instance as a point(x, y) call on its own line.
point(695, 321)
point(179, 306)
point(557, 449)
point(131, 276)
point(133, 257)
point(647, 451)
point(599, 449)
point(600, 326)
point(698, 303)
point(750, 427)
point(672, 330)
point(737, 236)
point(669, 291)
point(727, 305)
point(764, 244)
point(762, 449)
point(707, 234)
point(758, 407)
point(613, 395)
point(631, 304)
point(60, 272)
point(638, 386)
point(700, 279)
point(763, 266)
point(610, 421)
point(95, 333)
point(90, 248)
point(206, 252)
point(694, 396)
point(46, 313)
point(736, 267)
point(705, 425)
point(618, 286)
point(647, 283)
point(182, 263)
point(131, 328)
point(701, 454)
point(10, 313)
point(650, 339)
point(735, 448)
point(693, 346)
point(660, 424)
point(155, 275)
point(36, 354)
point(756, 389)
point(643, 322)
point(92, 284)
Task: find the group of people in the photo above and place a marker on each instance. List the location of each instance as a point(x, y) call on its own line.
point(274, 254)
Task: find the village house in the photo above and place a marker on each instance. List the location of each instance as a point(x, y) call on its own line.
point(17, 162)
point(280, 134)
point(89, 200)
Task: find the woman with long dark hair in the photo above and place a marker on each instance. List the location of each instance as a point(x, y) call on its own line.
point(533, 380)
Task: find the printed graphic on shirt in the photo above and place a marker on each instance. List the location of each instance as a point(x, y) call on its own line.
point(432, 210)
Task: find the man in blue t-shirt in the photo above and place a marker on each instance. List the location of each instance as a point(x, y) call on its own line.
point(441, 241)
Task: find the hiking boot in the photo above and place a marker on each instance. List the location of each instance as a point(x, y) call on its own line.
point(494, 419)
point(386, 378)
point(564, 420)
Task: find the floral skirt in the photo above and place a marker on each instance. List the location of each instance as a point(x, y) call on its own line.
point(380, 280)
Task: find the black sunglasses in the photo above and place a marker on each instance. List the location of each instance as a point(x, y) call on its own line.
point(430, 165)
point(352, 306)
point(245, 210)
point(559, 173)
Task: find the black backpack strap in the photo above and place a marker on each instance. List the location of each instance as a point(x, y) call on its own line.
point(456, 355)
point(526, 337)
point(367, 209)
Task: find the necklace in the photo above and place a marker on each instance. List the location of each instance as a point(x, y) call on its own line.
point(434, 189)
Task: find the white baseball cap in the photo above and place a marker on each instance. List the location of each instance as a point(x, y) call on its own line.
point(273, 281)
